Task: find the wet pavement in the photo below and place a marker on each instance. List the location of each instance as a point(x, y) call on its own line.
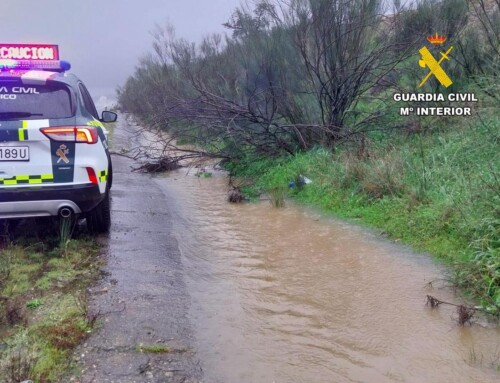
point(142, 302)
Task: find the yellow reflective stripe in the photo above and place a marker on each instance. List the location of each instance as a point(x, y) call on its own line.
point(95, 123)
point(23, 179)
point(41, 178)
point(22, 131)
point(103, 176)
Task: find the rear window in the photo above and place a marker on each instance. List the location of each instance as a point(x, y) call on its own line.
point(33, 102)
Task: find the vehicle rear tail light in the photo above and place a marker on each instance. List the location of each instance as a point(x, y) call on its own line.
point(87, 134)
point(92, 176)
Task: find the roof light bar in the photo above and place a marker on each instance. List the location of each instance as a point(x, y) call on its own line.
point(55, 65)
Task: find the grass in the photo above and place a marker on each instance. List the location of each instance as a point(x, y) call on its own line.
point(43, 310)
point(438, 191)
point(43, 302)
point(277, 195)
point(34, 304)
point(154, 349)
point(203, 174)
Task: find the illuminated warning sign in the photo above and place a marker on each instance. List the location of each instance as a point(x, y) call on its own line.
point(28, 52)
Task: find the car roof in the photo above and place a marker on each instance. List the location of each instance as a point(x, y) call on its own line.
point(40, 77)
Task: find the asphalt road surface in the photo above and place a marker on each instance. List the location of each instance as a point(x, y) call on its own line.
point(141, 302)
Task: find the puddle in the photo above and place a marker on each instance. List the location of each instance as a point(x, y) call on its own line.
point(288, 295)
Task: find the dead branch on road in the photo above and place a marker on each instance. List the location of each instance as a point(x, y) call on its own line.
point(157, 151)
point(164, 164)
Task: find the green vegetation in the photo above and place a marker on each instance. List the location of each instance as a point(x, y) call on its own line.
point(34, 304)
point(43, 311)
point(155, 349)
point(203, 174)
point(298, 74)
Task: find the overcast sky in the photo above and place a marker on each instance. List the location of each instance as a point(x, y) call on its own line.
point(103, 39)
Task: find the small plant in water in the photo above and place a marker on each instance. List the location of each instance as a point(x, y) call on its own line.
point(235, 195)
point(474, 358)
point(203, 174)
point(277, 196)
point(465, 315)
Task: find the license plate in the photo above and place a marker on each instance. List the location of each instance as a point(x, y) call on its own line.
point(14, 153)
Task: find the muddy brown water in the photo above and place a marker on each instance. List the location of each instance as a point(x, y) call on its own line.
point(289, 295)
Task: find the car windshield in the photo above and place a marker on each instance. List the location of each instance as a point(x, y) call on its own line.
point(29, 102)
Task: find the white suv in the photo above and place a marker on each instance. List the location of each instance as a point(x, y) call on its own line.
point(54, 158)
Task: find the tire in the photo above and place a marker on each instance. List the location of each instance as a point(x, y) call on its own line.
point(110, 173)
point(99, 219)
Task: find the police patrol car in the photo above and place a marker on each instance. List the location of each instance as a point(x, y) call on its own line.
point(54, 158)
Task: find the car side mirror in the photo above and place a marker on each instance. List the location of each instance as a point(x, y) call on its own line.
point(108, 116)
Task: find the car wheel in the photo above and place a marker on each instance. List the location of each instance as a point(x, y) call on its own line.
point(99, 219)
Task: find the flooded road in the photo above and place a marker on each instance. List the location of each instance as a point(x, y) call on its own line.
point(287, 295)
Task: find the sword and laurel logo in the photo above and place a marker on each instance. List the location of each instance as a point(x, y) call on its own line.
point(434, 65)
point(61, 153)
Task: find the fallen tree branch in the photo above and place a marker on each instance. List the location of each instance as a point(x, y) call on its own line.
point(465, 313)
point(164, 164)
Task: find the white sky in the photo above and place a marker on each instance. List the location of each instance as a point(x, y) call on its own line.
point(103, 39)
